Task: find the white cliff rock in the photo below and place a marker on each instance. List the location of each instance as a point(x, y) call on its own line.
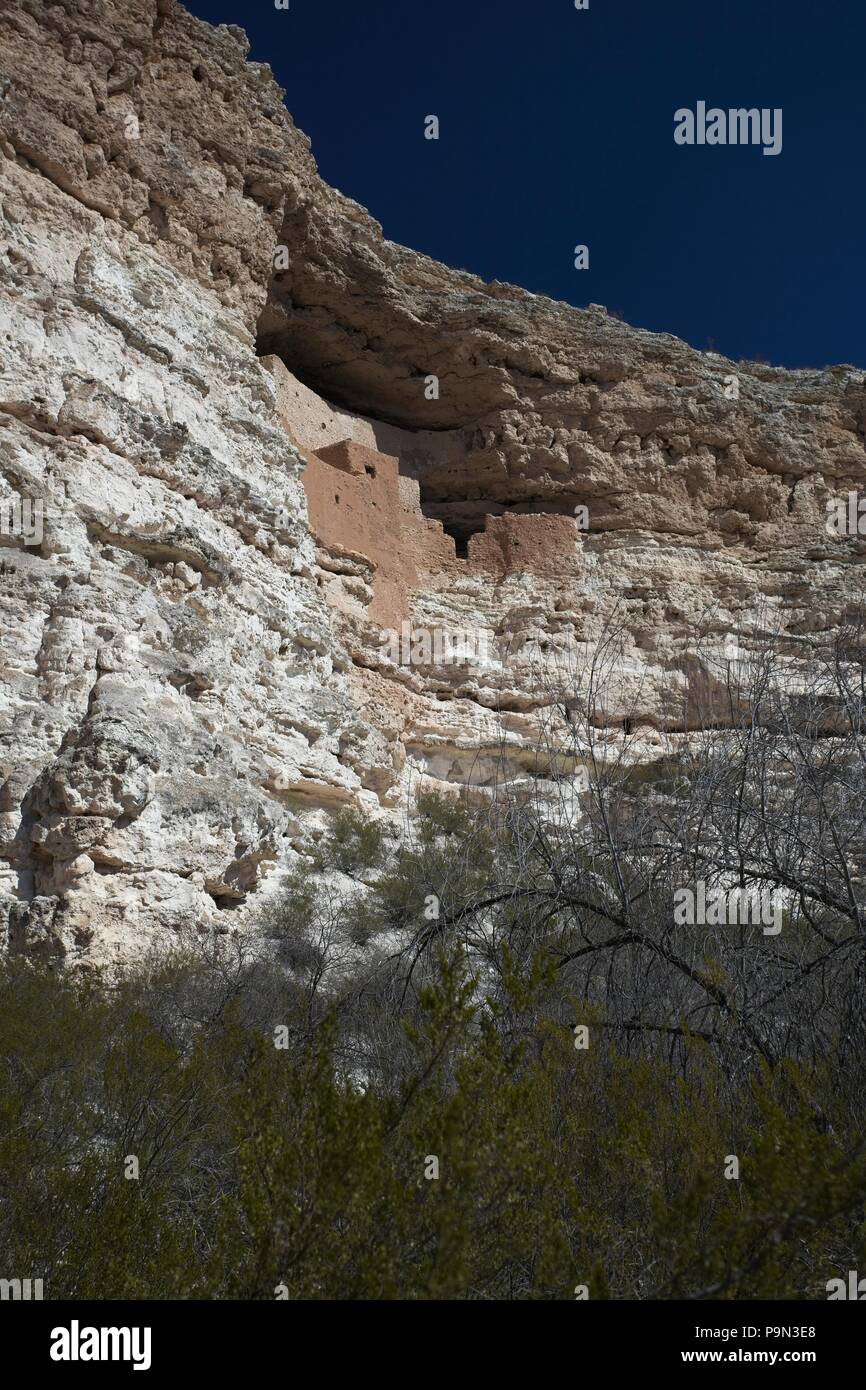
point(245, 488)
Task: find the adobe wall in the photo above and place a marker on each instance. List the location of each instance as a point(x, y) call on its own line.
point(309, 421)
point(356, 503)
point(314, 423)
point(544, 544)
point(360, 502)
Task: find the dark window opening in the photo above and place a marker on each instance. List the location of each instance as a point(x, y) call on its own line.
point(458, 531)
point(336, 496)
point(369, 470)
point(626, 726)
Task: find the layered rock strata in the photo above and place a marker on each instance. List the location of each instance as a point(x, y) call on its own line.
point(217, 385)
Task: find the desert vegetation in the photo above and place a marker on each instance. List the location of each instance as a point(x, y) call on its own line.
point(483, 1059)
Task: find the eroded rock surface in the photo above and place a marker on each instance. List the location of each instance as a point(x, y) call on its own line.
point(205, 653)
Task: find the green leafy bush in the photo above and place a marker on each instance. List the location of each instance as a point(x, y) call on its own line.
point(354, 844)
point(306, 1172)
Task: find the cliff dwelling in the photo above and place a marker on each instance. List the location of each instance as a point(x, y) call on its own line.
point(244, 484)
point(363, 493)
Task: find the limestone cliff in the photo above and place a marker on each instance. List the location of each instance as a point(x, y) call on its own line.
point(216, 377)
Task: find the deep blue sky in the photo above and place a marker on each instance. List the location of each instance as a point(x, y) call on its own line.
point(557, 129)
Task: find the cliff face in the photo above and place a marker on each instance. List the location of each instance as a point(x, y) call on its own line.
point(202, 345)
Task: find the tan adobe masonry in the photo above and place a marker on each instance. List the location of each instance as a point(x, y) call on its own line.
point(360, 504)
point(356, 503)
